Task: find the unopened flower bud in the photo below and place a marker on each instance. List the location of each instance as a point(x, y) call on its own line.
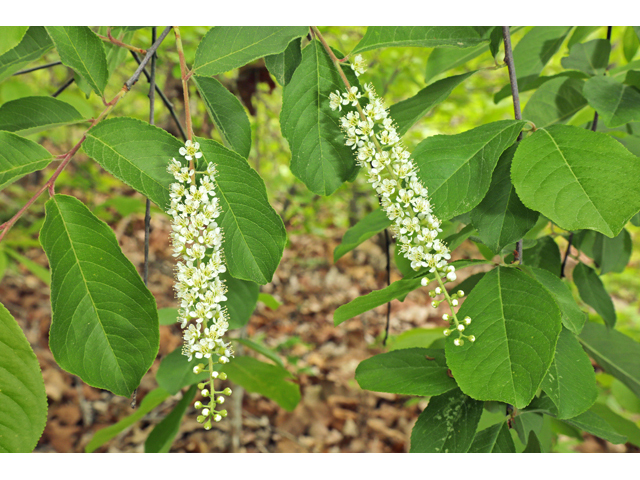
point(451, 276)
point(467, 320)
point(460, 293)
point(217, 418)
point(207, 426)
point(226, 391)
point(447, 332)
point(424, 281)
point(220, 399)
point(205, 393)
point(198, 404)
point(222, 376)
point(438, 290)
point(461, 327)
point(458, 342)
point(223, 413)
point(205, 412)
point(472, 338)
point(201, 418)
point(445, 316)
point(435, 304)
point(201, 385)
point(454, 302)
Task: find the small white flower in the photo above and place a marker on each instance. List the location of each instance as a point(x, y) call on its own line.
point(358, 65)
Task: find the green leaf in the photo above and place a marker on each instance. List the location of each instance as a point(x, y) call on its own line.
point(590, 57)
point(81, 49)
point(225, 48)
point(23, 401)
point(266, 379)
point(532, 53)
point(527, 423)
point(380, 37)
point(630, 44)
point(615, 102)
point(29, 115)
point(596, 425)
point(372, 224)
point(570, 381)
point(282, 65)
point(10, 37)
point(533, 444)
point(261, 349)
point(446, 58)
point(167, 316)
point(242, 298)
point(269, 301)
point(254, 232)
point(516, 323)
point(3, 263)
point(495, 439)
point(19, 156)
point(136, 153)
point(620, 424)
point(163, 434)
point(579, 34)
point(397, 289)
point(105, 323)
point(407, 112)
point(176, 372)
point(416, 337)
point(558, 171)
point(149, 402)
point(573, 317)
point(447, 425)
point(612, 254)
point(500, 217)
point(34, 44)
point(457, 169)
point(37, 270)
point(227, 114)
point(556, 101)
point(319, 156)
point(593, 293)
point(411, 371)
point(616, 353)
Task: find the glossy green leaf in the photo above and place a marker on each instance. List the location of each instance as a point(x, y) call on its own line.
point(593, 293)
point(612, 254)
point(105, 322)
point(615, 352)
point(261, 349)
point(494, 439)
point(136, 153)
point(227, 114)
point(282, 65)
point(163, 434)
point(408, 112)
point(176, 372)
point(446, 58)
point(516, 323)
point(81, 49)
point(630, 44)
point(416, 337)
point(573, 317)
point(615, 102)
point(533, 444)
point(558, 171)
point(579, 34)
point(590, 57)
point(555, 101)
point(10, 37)
point(374, 223)
point(529, 422)
point(35, 43)
point(447, 425)
point(319, 156)
point(532, 53)
point(598, 426)
point(242, 298)
point(397, 289)
point(410, 371)
point(149, 402)
point(23, 401)
point(167, 316)
point(254, 232)
point(620, 424)
point(380, 37)
point(29, 115)
point(19, 156)
point(570, 381)
point(500, 217)
point(266, 379)
point(224, 48)
point(457, 169)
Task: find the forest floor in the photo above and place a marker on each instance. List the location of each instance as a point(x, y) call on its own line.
point(334, 414)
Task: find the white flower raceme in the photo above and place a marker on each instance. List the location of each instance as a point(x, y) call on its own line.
point(197, 242)
point(394, 176)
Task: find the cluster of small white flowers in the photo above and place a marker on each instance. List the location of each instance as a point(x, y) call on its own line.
point(393, 174)
point(197, 242)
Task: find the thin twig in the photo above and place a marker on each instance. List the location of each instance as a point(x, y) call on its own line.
point(387, 243)
point(167, 103)
point(29, 70)
point(185, 86)
point(513, 80)
point(63, 87)
point(49, 185)
point(566, 255)
point(152, 99)
point(110, 39)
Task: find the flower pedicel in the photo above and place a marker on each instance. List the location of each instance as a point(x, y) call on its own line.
point(197, 242)
point(389, 168)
